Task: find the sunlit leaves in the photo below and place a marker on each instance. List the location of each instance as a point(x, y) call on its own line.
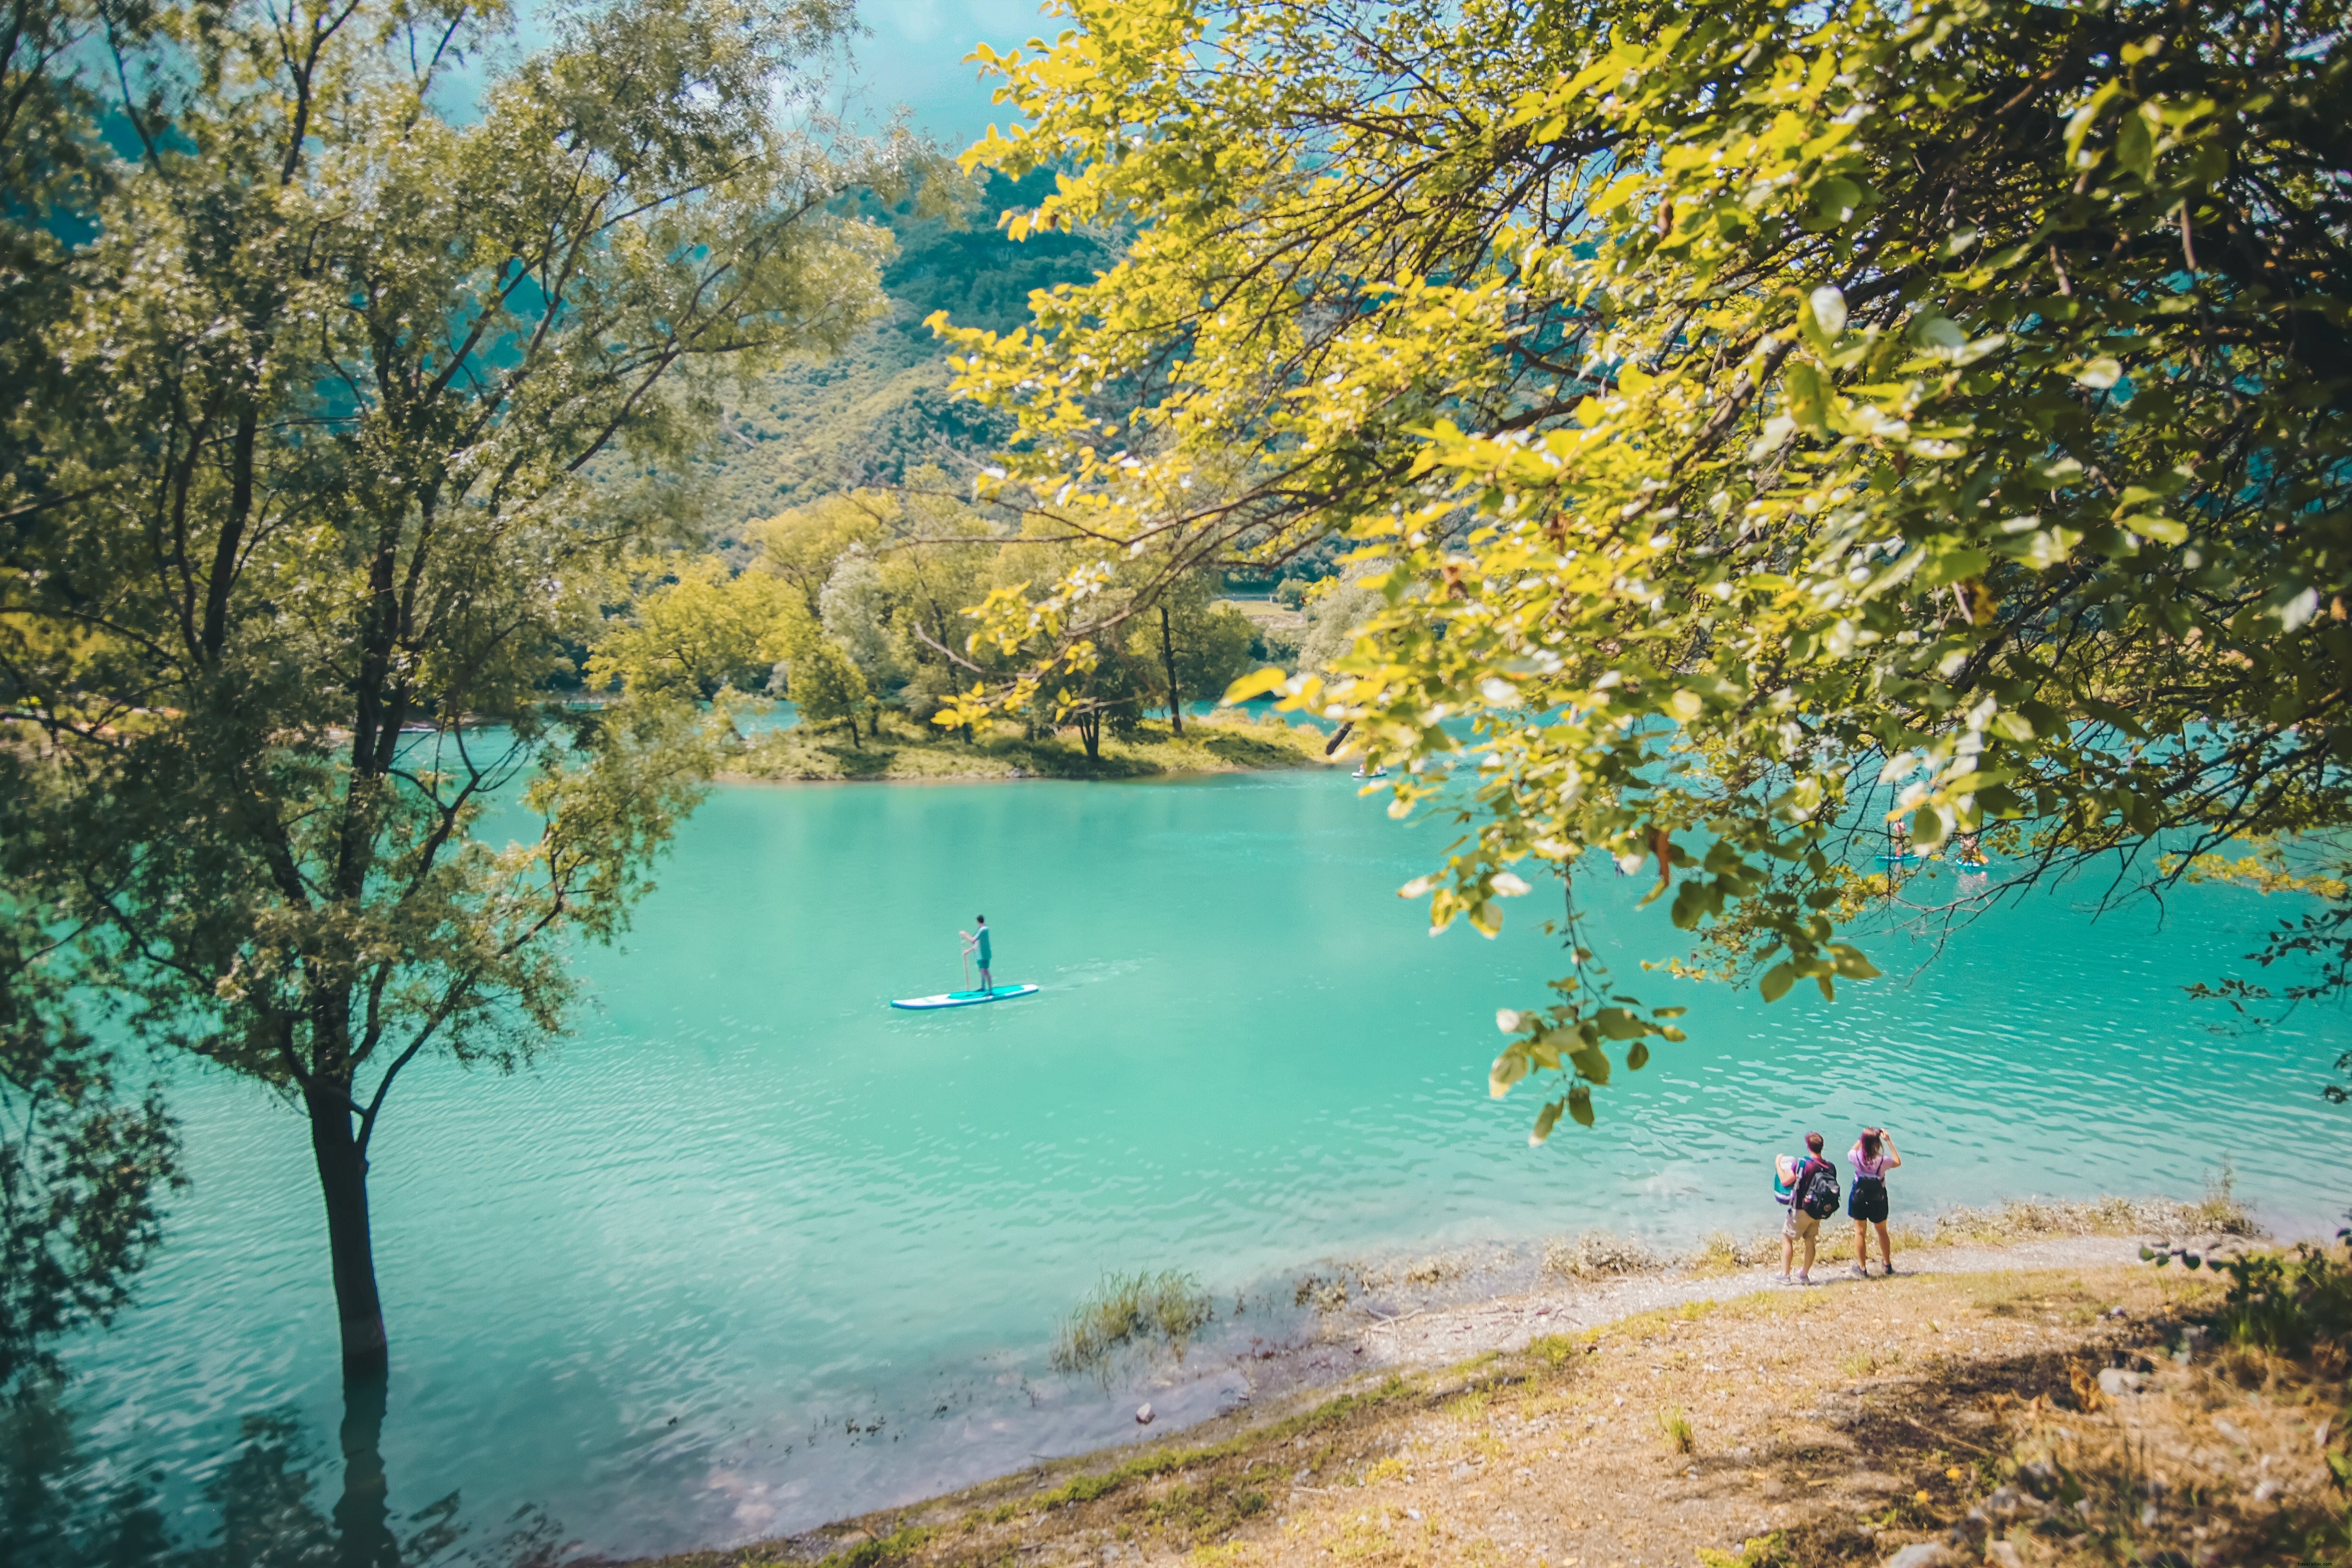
point(1733, 402)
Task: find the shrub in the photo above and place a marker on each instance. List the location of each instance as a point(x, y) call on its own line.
point(2288, 1303)
point(1675, 1426)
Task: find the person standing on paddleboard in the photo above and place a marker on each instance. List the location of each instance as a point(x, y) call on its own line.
point(976, 942)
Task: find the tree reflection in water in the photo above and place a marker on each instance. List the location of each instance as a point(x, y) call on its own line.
point(263, 1502)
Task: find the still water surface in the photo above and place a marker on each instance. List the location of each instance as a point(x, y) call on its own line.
point(752, 1251)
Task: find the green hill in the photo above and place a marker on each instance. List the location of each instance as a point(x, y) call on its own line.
point(883, 406)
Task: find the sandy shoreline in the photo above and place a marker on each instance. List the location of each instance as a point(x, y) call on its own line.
point(1363, 1349)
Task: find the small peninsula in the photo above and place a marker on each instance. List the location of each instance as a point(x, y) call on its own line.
point(898, 749)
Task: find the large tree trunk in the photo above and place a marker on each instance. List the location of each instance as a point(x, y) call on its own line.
point(1167, 657)
point(1090, 732)
point(342, 1181)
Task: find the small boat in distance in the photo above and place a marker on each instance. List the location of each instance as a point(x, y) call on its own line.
point(1375, 773)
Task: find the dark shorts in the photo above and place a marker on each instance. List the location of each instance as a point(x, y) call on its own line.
point(1867, 1200)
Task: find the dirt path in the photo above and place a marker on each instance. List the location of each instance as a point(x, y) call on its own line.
point(1356, 1342)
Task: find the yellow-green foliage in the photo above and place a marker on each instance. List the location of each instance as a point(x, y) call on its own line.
point(1768, 425)
point(706, 630)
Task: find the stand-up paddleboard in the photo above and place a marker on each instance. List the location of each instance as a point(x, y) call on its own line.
point(964, 998)
point(1899, 859)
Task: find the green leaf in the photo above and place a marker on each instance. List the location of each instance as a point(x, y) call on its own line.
point(1848, 961)
point(1637, 1056)
point(2161, 529)
point(1777, 981)
point(2135, 141)
point(1546, 1119)
point(1617, 1024)
point(1580, 1105)
point(1590, 1062)
point(1509, 1069)
point(1256, 685)
point(1927, 827)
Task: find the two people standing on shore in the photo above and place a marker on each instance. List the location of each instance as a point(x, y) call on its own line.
point(1808, 1188)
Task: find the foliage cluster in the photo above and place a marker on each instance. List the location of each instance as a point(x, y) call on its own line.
point(1762, 424)
point(301, 521)
point(860, 601)
point(2289, 1303)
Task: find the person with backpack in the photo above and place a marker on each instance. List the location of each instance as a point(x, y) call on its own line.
point(1873, 1155)
point(1808, 1187)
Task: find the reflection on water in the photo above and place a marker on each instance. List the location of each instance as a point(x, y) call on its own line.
point(263, 1506)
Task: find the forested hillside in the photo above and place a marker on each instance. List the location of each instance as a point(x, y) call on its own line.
point(865, 417)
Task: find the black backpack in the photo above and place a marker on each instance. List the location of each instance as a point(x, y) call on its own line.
point(1817, 1193)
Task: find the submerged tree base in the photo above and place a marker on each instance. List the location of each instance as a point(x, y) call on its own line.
point(907, 750)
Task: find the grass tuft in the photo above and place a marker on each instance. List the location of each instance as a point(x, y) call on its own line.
point(1674, 1424)
point(1168, 1308)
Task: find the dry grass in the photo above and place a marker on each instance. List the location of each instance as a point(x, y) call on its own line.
point(1597, 1255)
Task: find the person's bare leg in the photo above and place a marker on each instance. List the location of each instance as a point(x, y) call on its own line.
point(1812, 1241)
point(1862, 1248)
point(1787, 1253)
point(1885, 1246)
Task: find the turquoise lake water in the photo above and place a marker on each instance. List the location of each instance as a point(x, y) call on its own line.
point(753, 1251)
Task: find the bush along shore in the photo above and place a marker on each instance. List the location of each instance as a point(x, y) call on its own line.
point(2044, 1402)
point(890, 746)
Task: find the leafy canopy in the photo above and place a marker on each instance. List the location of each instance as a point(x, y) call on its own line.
point(1761, 423)
point(301, 522)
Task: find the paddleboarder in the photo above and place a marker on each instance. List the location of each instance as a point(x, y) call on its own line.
point(976, 942)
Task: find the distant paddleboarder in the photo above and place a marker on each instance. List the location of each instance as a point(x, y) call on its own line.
point(975, 943)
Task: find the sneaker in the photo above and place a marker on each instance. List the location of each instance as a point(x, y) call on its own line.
point(1781, 1278)
point(1804, 1279)
point(1859, 1271)
point(1890, 1270)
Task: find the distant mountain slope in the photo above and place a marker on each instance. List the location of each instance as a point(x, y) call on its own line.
point(883, 406)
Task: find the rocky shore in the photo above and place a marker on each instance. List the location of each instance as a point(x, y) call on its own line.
point(2042, 1402)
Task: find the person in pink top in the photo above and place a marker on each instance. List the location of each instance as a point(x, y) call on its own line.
point(1872, 1157)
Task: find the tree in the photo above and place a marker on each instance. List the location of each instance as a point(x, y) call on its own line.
point(1766, 422)
point(823, 682)
point(83, 1164)
point(1202, 647)
point(802, 545)
point(704, 632)
point(82, 1171)
point(856, 610)
point(284, 583)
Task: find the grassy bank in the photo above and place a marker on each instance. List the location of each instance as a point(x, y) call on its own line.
point(906, 750)
point(2047, 1419)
